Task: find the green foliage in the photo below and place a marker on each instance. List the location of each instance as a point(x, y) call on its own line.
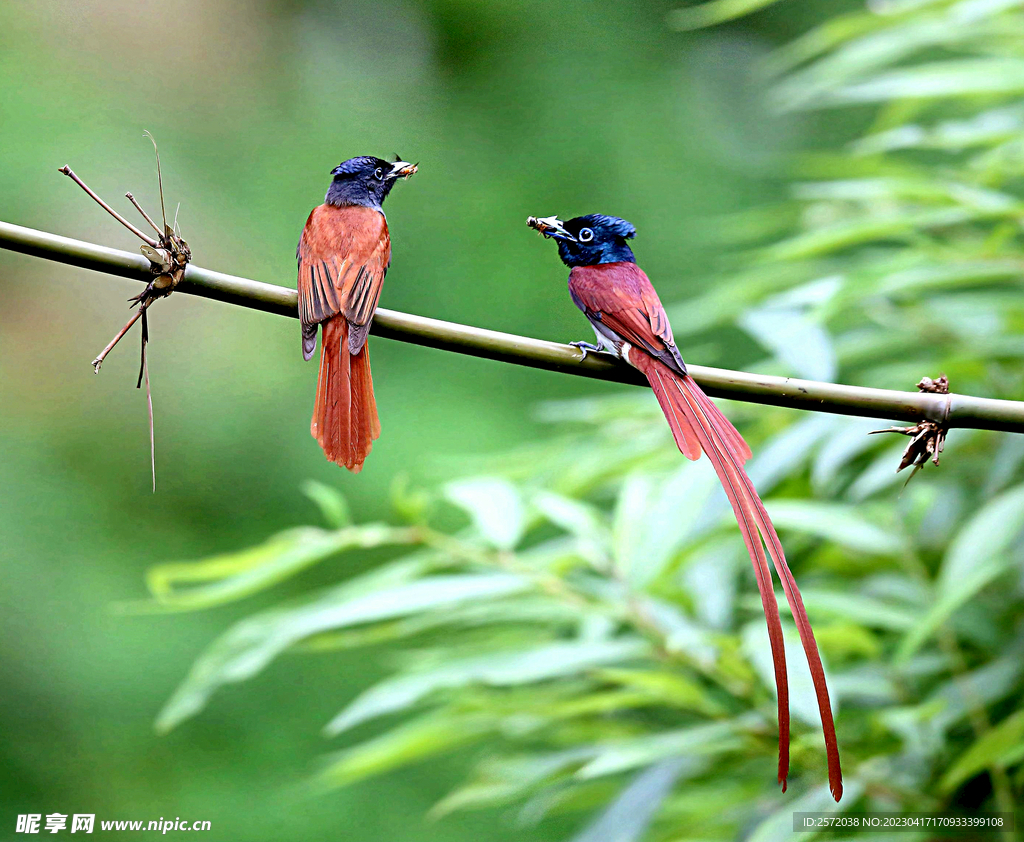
point(580, 612)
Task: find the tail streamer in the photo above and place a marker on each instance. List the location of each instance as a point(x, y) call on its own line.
point(699, 426)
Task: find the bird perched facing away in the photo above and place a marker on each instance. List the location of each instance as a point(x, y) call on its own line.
point(343, 255)
point(629, 321)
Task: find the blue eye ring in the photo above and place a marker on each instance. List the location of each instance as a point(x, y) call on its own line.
point(379, 173)
point(585, 235)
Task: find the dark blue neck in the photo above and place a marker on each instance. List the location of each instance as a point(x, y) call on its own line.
point(348, 191)
point(618, 254)
point(590, 254)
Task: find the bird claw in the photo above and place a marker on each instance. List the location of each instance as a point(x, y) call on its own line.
point(585, 348)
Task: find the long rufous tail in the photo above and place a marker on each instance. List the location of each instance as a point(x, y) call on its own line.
point(699, 426)
point(345, 414)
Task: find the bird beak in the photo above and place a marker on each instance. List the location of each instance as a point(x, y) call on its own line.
point(550, 226)
point(402, 169)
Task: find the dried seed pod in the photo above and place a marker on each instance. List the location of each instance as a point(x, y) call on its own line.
point(168, 255)
point(928, 438)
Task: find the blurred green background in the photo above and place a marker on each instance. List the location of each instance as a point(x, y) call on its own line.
point(511, 108)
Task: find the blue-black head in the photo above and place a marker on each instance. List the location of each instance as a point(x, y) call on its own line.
point(588, 240)
point(366, 181)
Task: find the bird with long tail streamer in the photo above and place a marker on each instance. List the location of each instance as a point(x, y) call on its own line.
point(343, 256)
point(629, 321)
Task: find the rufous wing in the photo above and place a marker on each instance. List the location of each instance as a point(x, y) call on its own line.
point(343, 256)
point(621, 297)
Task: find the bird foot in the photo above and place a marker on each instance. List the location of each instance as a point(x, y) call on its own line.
point(586, 347)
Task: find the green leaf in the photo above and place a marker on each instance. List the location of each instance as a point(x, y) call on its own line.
point(988, 128)
point(1002, 746)
point(871, 52)
point(498, 669)
point(879, 475)
point(626, 819)
point(495, 507)
point(586, 523)
point(798, 341)
point(330, 501)
point(630, 524)
point(847, 234)
point(939, 79)
point(778, 827)
point(187, 586)
point(699, 741)
point(710, 579)
point(829, 36)
point(669, 688)
point(249, 646)
point(714, 12)
point(406, 744)
point(786, 452)
point(984, 539)
point(860, 608)
point(960, 696)
point(977, 556)
point(835, 522)
point(499, 779)
point(652, 519)
point(787, 326)
point(907, 283)
point(848, 441)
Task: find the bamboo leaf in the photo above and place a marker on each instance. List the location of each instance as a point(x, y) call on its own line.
point(835, 522)
point(940, 79)
point(406, 744)
point(1003, 745)
point(714, 12)
point(860, 608)
point(330, 501)
point(697, 742)
point(498, 780)
point(652, 520)
point(496, 669)
point(246, 649)
point(669, 688)
point(187, 586)
point(710, 579)
point(778, 827)
point(576, 517)
point(960, 696)
point(989, 127)
point(978, 555)
point(626, 819)
point(848, 441)
point(786, 452)
point(795, 338)
point(495, 507)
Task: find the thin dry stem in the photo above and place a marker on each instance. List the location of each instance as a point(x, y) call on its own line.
point(145, 215)
point(96, 363)
point(159, 178)
point(70, 173)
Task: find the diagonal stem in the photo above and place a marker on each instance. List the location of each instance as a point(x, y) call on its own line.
point(145, 215)
point(954, 410)
point(96, 363)
point(70, 173)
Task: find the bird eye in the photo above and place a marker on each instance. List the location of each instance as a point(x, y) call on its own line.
point(379, 174)
point(585, 235)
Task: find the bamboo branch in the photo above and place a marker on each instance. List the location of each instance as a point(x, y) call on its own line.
point(955, 410)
